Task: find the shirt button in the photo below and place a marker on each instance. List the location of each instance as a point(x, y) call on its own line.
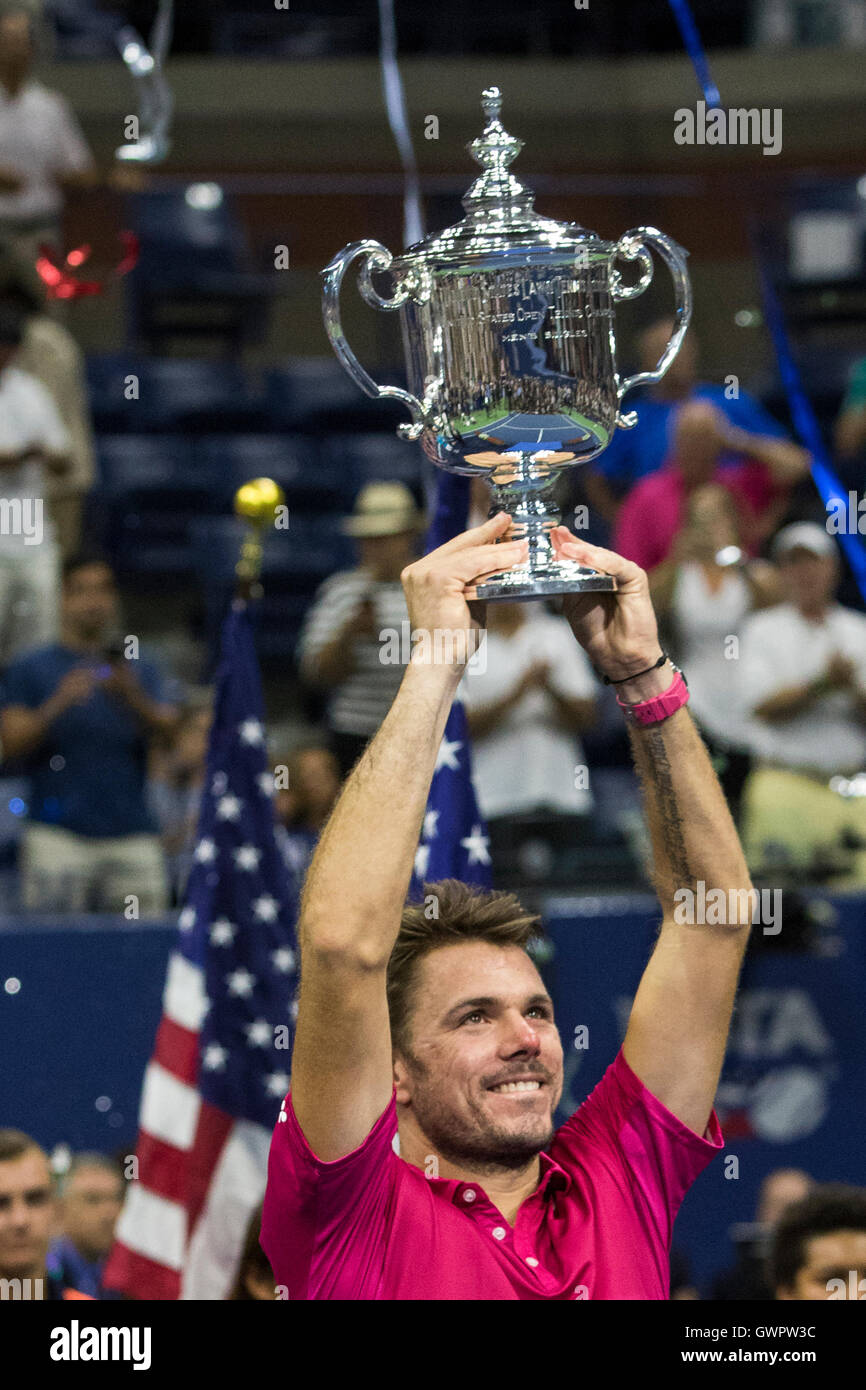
point(531, 1260)
point(469, 1195)
point(499, 1232)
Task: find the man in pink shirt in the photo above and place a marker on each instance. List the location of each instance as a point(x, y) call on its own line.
point(654, 511)
point(429, 1027)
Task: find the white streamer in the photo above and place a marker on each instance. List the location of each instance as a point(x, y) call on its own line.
point(395, 103)
point(156, 101)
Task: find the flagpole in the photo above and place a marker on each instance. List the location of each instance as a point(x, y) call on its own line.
point(257, 502)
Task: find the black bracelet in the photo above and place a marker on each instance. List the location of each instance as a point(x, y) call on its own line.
point(607, 680)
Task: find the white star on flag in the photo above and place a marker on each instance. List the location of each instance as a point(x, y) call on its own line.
point(266, 783)
point(247, 857)
point(214, 1057)
point(186, 920)
point(277, 1083)
point(259, 1033)
point(205, 852)
point(447, 755)
point(251, 731)
point(228, 808)
point(222, 932)
point(240, 982)
point(422, 859)
point(430, 820)
point(266, 908)
point(476, 845)
point(219, 783)
point(283, 959)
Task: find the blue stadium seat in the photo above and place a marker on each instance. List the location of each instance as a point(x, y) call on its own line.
point(170, 393)
point(150, 489)
point(370, 457)
point(295, 562)
point(192, 393)
point(194, 274)
point(310, 480)
point(107, 376)
point(132, 465)
point(314, 393)
point(304, 556)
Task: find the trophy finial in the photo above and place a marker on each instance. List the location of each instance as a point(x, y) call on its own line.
point(491, 102)
point(495, 151)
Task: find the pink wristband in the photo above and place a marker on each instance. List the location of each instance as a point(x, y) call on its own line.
point(660, 706)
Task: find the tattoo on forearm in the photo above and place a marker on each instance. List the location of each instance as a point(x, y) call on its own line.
point(655, 766)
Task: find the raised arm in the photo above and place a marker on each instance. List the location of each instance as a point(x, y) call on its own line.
point(681, 1014)
point(357, 882)
point(788, 462)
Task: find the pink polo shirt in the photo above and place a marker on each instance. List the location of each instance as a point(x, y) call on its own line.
point(654, 510)
point(372, 1226)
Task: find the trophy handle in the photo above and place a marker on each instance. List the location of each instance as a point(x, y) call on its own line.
point(376, 257)
point(632, 246)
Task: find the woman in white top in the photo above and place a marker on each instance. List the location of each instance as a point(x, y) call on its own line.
point(702, 593)
point(526, 705)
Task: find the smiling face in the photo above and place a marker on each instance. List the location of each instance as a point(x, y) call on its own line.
point(27, 1211)
point(485, 1072)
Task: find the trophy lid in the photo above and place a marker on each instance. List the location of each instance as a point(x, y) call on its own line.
point(500, 212)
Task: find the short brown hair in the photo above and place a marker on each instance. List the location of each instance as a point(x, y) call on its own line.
point(828, 1208)
point(14, 1143)
point(464, 913)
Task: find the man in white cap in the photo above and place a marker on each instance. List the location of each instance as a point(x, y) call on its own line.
point(354, 628)
point(803, 671)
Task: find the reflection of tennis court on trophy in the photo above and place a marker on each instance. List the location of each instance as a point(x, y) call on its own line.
point(532, 431)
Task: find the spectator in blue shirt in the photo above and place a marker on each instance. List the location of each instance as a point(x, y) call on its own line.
point(633, 454)
point(80, 715)
point(91, 1197)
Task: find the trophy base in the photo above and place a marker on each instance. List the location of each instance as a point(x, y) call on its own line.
point(522, 582)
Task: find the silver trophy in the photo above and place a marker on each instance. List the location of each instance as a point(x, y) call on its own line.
point(508, 333)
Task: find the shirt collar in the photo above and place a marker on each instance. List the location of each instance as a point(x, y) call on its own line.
point(552, 1178)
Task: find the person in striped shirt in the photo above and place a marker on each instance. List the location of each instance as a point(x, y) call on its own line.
point(352, 644)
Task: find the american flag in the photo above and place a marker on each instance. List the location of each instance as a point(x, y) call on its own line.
point(454, 842)
point(220, 1066)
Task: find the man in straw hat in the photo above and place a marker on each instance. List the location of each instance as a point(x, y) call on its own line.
point(342, 648)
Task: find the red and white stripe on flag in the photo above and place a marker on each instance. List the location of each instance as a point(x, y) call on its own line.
point(184, 1218)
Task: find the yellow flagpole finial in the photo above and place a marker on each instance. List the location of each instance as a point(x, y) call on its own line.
point(257, 502)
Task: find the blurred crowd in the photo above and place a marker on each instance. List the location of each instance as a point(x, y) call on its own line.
point(58, 1215)
point(708, 493)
